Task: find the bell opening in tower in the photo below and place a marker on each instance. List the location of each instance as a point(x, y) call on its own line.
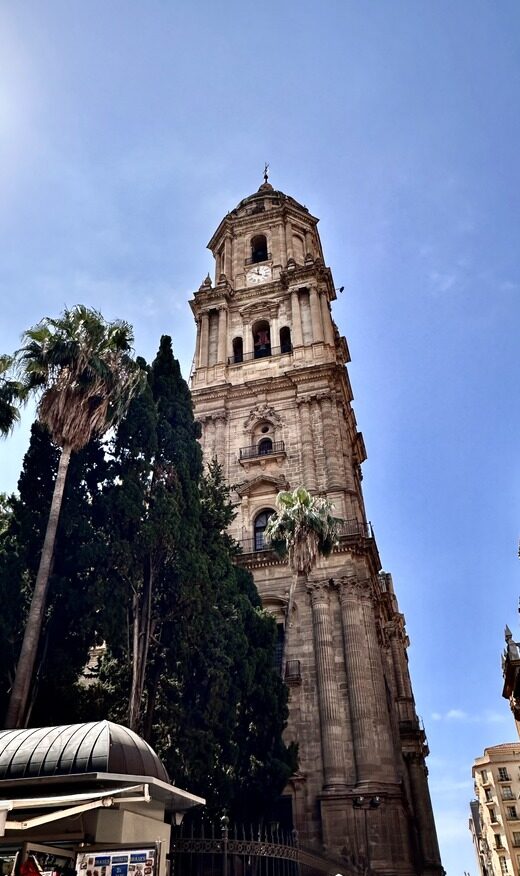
point(262, 339)
point(259, 249)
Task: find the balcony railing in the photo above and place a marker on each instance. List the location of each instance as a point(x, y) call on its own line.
point(292, 672)
point(255, 450)
point(504, 777)
point(346, 529)
point(507, 795)
point(254, 260)
point(254, 545)
point(349, 528)
point(265, 353)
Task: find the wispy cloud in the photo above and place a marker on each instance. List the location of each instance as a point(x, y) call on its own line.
point(488, 716)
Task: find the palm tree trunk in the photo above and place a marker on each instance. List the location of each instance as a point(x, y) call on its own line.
point(296, 579)
point(18, 701)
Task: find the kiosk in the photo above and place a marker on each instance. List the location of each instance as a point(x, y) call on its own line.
point(92, 799)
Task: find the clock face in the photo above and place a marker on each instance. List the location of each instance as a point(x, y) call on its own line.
point(259, 274)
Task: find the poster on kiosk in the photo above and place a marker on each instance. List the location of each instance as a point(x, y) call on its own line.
point(118, 862)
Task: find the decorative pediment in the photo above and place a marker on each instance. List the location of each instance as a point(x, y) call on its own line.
point(262, 412)
point(264, 307)
point(263, 485)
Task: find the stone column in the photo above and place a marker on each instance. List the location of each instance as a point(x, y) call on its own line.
point(222, 335)
point(317, 328)
point(283, 247)
point(346, 447)
point(307, 445)
point(423, 812)
point(327, 320)
point(220, 439)
point(308, 243)
point(297, 334)
point(204, 340)
point(247, 339)
point(331, 718)
point(331, 442)
point(197, 343)
point(228, 256)
point(289, 240)
point(371, 729)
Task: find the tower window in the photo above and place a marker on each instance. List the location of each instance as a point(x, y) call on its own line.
point(259, 529)
point(265, 446)
point(261, 339)
point(238, 350)
point(259, 248)
point(285, 340)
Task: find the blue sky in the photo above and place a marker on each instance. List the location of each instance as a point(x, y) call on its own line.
point(127, 130)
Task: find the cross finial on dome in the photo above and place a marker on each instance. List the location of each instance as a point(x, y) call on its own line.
point(266, 172)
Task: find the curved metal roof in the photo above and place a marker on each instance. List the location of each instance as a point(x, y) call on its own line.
point(99, 746)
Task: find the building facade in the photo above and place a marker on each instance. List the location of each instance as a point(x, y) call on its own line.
point(272, 393)
point(511, 674)
point(495, 826)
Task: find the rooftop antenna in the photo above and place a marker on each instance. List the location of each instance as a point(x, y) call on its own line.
point(266, 172)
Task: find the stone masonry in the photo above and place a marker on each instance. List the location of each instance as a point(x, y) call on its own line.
point(272, 393)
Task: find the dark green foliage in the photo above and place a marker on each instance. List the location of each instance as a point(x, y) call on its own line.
point(211, 703)
point(143, 561)
point(72, 616)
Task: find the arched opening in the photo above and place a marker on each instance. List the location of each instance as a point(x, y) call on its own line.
point(260, 524)
point(238, 350)
point(285, 340)
point(259, 248)
point(261, 339)
point(265, 446)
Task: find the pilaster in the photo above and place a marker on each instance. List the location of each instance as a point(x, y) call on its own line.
point(331, 718)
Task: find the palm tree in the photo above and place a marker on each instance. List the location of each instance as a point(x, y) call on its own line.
point(82, 370)
point(10, 393)
point(302, 529)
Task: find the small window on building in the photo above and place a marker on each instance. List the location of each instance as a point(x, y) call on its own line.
point(285, 340)
point(259, 248)
point(507, 793)
point(265, 446)
point(516, 837)
point(489, 795)
point(261, 339)
point(484, 776)
point(259, 529)
point(492, 815)
point(503, 775)
point(238, 350)
point(498, 841)
point(278, 648)
point(511, 812)
point(503, 864)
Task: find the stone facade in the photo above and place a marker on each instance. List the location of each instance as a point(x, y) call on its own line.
point(495, 816)
point(272, 393)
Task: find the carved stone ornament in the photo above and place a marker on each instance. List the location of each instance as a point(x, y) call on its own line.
point(214, 416)
point(352, 586)
point(264, 308)
point(259, 413)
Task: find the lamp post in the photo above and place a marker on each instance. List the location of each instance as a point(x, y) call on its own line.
point(366, 804)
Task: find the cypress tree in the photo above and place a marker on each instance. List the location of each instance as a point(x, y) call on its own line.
point(195, 636)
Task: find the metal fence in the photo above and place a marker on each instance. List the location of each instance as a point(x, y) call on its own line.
point(221, 850)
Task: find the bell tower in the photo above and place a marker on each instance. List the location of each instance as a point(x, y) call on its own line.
point(272, 393)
